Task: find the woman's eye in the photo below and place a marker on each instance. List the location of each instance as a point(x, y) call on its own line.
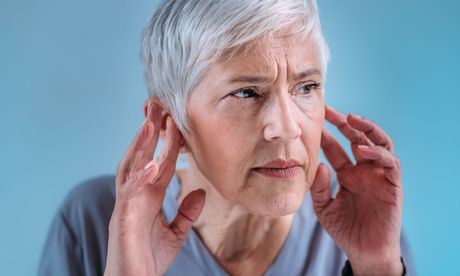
point(309, 87)
point(251, 93)
point(245, 93)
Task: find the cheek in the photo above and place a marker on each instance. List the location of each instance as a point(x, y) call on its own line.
point(225, 142)
point(312, 142)
point(237, 132)
point(312, 125)
point(222, 149)
point(240, 114)
point(312, 105)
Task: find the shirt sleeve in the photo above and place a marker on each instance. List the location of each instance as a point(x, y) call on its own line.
point(61, 255)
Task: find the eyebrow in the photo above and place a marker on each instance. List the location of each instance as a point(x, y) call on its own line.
point(261, 79)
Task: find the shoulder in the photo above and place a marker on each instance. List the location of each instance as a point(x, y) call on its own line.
point(76, 243)
point(91, 191)
point(89, 202)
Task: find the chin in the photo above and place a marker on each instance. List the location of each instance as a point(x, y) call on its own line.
point(282, 204)
point(276, 197)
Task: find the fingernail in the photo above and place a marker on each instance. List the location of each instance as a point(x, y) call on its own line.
point(144, 126)
point(356, 116)
point(150, 164)
point(169, 121)
point(363, 147)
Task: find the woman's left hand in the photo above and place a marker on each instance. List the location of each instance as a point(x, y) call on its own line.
point(364, 218)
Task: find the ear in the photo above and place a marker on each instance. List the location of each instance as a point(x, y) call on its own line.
point(163, 113)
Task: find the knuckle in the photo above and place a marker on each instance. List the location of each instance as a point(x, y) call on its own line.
point(178, 232)
point(359, 138)
point(342, 126)
point(123, 172)
point(370, 130)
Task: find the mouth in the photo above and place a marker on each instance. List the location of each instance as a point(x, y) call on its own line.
point(287, 172)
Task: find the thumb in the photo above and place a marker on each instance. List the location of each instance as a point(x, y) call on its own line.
point(320, 191)
point(189, 211)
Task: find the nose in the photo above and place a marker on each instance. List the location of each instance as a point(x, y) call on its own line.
point(281, 121)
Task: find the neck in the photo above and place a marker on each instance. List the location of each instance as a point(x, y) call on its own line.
point(243, 243)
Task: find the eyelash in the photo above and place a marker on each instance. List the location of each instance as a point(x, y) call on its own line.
point(309, 87)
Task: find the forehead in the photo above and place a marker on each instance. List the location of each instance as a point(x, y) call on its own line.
point(295, 51)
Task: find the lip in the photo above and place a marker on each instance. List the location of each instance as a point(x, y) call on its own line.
point(279, 172)
point(281, 164)
point(280, 168)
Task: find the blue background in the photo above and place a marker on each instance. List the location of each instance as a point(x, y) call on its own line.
point(71, 95)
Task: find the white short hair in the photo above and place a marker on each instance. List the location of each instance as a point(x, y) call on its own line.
point(183, 38)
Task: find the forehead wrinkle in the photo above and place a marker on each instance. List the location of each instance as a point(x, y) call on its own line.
point(267, 58)
point(276, 56)
point(283, 63)
point(286, 51)
point(288, 55)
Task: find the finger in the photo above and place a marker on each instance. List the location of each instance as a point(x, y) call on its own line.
point(168, 156)
point(354, 136)
point(143, 178)
point(320, 189)
point(390, 163)
point(153, 114)
point(371, 130)
point(189, 211)
point(145, 153)
point(334, 153)
point(123, 168)
point(379, 155)
point(340, 121)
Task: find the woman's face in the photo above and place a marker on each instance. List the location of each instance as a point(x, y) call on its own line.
point(254, 109)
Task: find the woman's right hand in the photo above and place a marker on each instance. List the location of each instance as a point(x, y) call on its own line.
point(141, 241)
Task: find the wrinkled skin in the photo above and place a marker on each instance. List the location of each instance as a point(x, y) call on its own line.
point(234, 131)
point(365, 217)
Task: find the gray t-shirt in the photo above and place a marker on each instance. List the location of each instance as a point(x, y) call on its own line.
point(77, 241)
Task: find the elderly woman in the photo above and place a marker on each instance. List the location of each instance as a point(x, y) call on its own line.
point(238, 87)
